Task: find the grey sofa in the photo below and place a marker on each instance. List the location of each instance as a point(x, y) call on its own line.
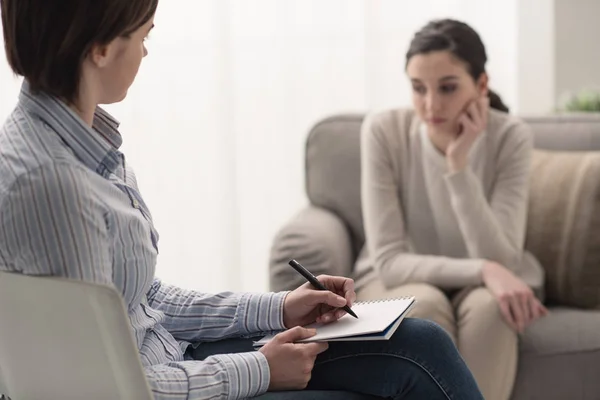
point(559, 355)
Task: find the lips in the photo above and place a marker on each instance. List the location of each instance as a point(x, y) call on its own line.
point(436, 120)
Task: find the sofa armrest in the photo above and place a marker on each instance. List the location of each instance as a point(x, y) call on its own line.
point(318, 239)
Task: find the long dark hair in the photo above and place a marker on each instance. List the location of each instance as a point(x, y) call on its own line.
point(459, 39)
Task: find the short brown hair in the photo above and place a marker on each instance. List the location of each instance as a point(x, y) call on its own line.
point(47, 41)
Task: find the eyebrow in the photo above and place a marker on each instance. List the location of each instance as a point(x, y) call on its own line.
point(443, 79)
point(151, 28)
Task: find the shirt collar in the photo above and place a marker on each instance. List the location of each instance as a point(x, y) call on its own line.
point(96, 146)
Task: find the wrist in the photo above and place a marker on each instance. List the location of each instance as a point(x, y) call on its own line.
point(488, 268)
point(456, 165)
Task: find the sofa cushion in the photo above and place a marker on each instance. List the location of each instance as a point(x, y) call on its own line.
point(562, 331)
point(559, 355)
point(563, 228)
point(333, 170)
point(566, 131)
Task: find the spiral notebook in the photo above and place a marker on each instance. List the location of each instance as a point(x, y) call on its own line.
point(377, 320)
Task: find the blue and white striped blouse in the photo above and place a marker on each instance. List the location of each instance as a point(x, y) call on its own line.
point(70, 207)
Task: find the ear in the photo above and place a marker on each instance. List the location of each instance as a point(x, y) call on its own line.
point(482, 84)
point(100, 55)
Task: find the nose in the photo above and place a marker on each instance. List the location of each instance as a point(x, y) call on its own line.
point(145, 51)
point(432, 102)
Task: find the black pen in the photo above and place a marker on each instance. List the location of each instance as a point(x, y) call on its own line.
point(315, 282)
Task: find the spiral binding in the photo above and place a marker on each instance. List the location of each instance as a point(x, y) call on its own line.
point(383, 300)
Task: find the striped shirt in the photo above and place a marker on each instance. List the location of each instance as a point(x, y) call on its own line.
point(70, 207)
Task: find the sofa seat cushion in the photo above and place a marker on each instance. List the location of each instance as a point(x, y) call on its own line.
point(559, 357)
point(564, 330)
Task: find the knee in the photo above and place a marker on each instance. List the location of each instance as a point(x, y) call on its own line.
point(481, 307)
point(426, 335)
point(431, 303)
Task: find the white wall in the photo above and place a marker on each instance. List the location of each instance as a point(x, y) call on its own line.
point(535, 66)
point(558, 51)
point(577, 58)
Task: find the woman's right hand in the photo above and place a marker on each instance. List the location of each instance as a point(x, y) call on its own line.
point(291, 363)
point(518, 304)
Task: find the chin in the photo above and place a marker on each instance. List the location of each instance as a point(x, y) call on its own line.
point(439, 129)
point(447, 128)
point(114, 99)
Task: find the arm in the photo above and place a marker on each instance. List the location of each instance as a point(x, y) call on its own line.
point(494, 229)
point(226, 376)
point(194, 316)
point(384, 225)
point(52, 224)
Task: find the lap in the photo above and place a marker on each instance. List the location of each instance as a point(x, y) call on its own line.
point(418, 359)
point(424, 293)
point(203, 350)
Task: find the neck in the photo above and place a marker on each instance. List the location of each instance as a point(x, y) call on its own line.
point(440, 140)
point(85, 103)
point(85, 113)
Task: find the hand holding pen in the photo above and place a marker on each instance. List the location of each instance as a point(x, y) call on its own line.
point(319, 300)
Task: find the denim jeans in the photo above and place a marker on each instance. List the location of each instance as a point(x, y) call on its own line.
point(418, 362)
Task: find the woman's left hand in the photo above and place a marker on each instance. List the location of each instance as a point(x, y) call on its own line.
point(306, 304)
point(472, 122)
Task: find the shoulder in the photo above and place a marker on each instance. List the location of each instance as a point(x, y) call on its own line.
point(505, 128)
point(389, 126)
point(50, 184)
point(27, 144)
point(35, 165)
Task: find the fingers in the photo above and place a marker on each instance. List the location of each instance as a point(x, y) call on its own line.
point(538, 309)
point(349, 292)
point(331, 316)
point(317, 297)
point(525, 300)
point(315, 348)
point(543, 309)
point(295, 334)
point(534, 310)
point(474, 112)
point(517, 311)
point(467, 124)
point(340, 285)
point(506, 313)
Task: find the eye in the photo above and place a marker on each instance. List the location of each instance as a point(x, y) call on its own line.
point(446, 89)
point(419, 89)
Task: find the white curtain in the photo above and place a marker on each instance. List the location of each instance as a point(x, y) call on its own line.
point(216, 122)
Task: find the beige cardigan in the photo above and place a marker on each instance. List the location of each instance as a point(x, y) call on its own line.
point(425, 224)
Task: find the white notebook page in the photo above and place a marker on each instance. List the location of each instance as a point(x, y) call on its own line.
point(373, 317)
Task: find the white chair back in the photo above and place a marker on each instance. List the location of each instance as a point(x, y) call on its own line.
point(64, 339)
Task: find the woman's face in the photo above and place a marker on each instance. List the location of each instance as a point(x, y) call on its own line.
point(126, 54)
point(442, 89)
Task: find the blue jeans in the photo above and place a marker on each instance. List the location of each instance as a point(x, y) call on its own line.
point(418, 362)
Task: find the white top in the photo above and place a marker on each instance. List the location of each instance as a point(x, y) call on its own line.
point(425, 224)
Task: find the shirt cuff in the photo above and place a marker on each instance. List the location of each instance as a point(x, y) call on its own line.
point(248, 374)
point(463, 185)
point(469, 272)
point(262, 312)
